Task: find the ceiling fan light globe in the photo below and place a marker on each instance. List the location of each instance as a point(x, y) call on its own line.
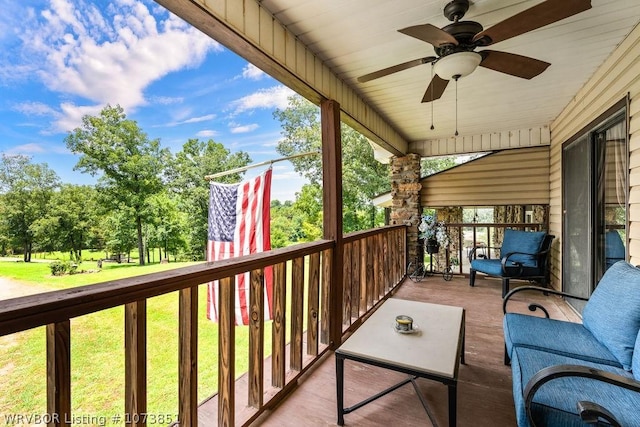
point(457, 64)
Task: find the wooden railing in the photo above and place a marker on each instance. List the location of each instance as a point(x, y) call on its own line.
point(373, 265)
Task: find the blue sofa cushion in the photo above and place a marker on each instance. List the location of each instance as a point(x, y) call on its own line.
point(612, 313)
point(635, 363)
point(492, 267)
point(528, 242)
point(555, 336)
point(555, 402)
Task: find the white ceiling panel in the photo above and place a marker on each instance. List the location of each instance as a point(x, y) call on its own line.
point(356, 37)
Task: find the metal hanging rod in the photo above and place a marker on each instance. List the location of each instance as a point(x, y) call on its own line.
point(256, 165)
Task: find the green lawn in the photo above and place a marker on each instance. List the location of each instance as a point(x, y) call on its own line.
point(97, 349)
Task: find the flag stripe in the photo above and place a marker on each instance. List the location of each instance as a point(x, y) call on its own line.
point(251, 234)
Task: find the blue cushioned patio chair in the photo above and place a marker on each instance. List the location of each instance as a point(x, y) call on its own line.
point(613, 248)
point(523, 255)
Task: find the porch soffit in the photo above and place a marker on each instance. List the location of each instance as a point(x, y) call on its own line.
point(357, 37)
point(494, 141)
point(251, 31)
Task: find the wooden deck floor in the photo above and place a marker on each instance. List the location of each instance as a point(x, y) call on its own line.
point(484, 387)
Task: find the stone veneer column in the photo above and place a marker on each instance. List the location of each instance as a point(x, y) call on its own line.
point(405, 195)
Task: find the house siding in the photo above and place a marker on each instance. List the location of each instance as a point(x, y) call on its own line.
point(509, 177)
point(618, 77)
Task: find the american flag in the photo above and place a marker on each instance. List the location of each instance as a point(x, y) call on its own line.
point(239, 219)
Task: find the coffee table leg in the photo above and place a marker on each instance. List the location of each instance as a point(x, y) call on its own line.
point(453, 403)
point(340, 388)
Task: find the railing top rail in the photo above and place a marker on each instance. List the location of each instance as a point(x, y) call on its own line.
point(495, 224)
point(356, 235)
point(19, 314)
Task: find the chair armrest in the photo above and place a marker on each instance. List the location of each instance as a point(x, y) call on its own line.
point(472, 252)
point(591, 412)
point(535, 306)
point(560, 371)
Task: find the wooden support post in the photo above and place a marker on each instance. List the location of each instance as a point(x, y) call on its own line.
point(332, 210)
point(188, 357)
point(135, 345)
point(59, 373)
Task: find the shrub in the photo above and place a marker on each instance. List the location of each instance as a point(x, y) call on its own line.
point(58, 268)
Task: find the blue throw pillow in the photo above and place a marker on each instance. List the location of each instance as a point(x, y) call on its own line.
point(528, 242)
point(612, 314)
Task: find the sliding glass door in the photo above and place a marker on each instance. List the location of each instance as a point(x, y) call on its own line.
point(594, 188)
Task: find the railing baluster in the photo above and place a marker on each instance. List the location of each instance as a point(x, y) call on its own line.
point(188, 356)
point(355, 280)
point(327, 260)
point(135, 344)
point(363, 275)
point(59, 373)
point(226, 353)
point(370, 272)
point(256, 339)
point(378, 267)
point(278, 335)
point(313, 304)
point(346, 290)
point(297, 310)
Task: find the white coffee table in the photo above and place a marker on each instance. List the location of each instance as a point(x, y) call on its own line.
point(434, 352)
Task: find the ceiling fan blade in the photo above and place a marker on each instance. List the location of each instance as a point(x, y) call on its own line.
point(430, 34)
point(510, 63)
point(395, 69)
point(436, 89)
point(538, 16)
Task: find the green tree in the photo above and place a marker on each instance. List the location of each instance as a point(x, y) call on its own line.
point(71, 216)
point(185, 177)
point(120, 232)
point(26, 188)
point(168, 229)
point(362, 176)
point(129, 164)
point(308, 205)
point(282, 220)
point(431, 165)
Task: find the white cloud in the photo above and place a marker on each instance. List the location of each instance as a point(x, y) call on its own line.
point(190, 120)
point(252, 72)
point(166, 100)
point(105, 56)
point(207, 133)
point(244, 128)
point(35, 148)
point(273, 97)
point(35, 109)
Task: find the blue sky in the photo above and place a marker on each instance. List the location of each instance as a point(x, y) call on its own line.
point(63, 59)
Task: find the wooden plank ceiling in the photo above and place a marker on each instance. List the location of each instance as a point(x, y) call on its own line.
point(357, 37)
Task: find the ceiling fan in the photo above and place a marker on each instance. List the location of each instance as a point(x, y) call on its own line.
point(455, 44)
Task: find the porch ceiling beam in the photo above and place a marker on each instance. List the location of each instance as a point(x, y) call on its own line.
point(251, 31)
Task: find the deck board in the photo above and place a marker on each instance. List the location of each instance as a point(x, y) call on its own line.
point(484, 385)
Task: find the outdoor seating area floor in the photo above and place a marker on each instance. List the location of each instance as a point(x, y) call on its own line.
point(484, 385)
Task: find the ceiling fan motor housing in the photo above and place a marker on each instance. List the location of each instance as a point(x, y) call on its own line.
point(463, 32)
point(456, 9)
